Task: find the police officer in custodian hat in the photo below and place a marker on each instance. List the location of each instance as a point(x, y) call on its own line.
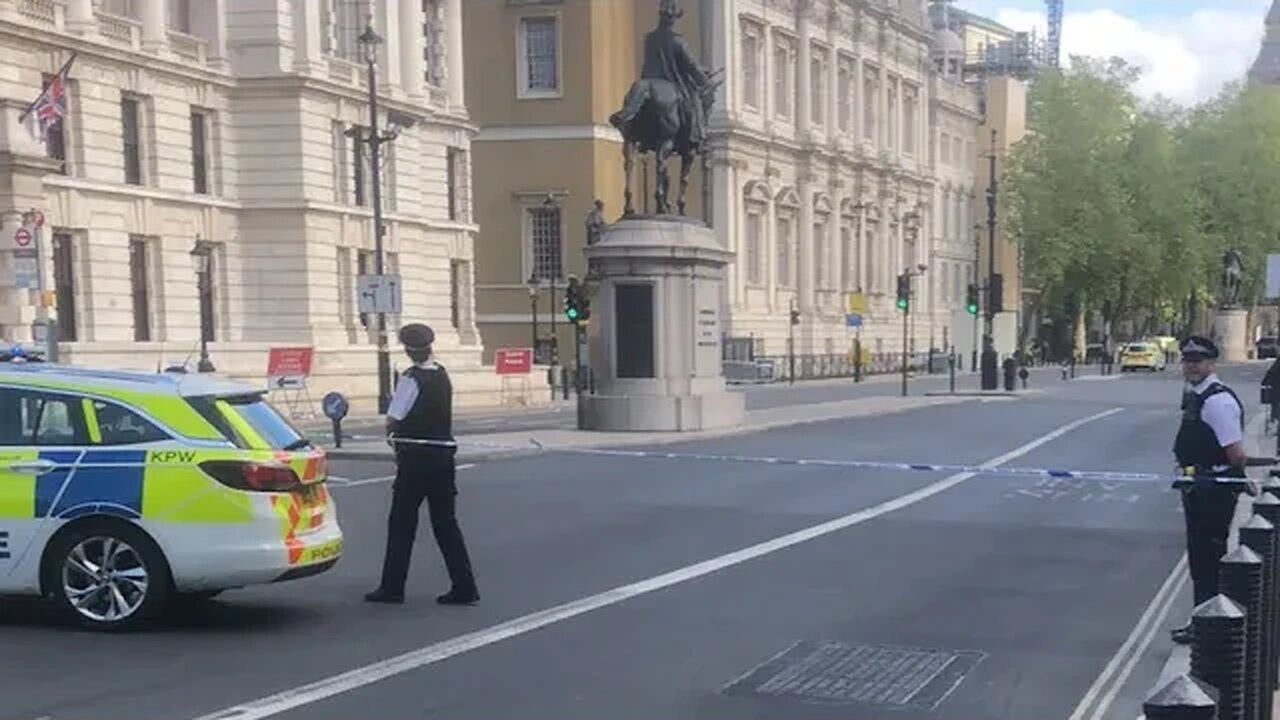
point(1210, 444)
point(420, 427)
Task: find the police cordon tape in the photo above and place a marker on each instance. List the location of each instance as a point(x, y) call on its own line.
point(1100, 475)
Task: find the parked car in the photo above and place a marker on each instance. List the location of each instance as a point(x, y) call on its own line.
point(1267, 346)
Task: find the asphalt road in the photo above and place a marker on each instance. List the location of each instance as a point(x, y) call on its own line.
point(648, 587)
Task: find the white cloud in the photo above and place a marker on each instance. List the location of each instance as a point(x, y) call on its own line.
point(1186, 58)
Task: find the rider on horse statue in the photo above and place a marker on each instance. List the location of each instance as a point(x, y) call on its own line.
point(665, 111)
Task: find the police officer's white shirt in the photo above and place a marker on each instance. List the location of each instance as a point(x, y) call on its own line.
point(1221, 412)
point(406, 393)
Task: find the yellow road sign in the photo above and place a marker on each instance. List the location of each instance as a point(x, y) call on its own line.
point(855, 303)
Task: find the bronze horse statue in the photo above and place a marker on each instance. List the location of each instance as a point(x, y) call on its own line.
point(663, 126)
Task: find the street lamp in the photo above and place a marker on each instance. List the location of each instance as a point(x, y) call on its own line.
point(369, 41)
point(534, 285)
point(201, 254)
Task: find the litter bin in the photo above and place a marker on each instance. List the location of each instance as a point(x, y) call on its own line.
point(1010, 372)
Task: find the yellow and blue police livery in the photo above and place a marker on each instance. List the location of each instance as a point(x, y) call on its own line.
point(121, 490)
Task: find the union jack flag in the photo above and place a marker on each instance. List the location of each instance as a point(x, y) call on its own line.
point(51, 106)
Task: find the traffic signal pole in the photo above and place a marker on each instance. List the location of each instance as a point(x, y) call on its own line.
point(906, 352)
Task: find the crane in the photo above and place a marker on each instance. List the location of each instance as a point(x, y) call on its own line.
point(1053, 9)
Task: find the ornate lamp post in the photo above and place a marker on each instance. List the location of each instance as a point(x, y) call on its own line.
point(201, 256)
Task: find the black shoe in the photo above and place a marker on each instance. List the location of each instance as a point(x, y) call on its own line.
point(382, 596)
point(1183, 635)
point(453, 597)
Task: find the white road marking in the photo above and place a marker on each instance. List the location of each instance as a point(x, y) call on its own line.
point(1122, 663)
point(345, 483)
point(431, 654)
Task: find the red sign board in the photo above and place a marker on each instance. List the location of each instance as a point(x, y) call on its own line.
point(22, 237)
point(290, 364)
point(513, 361)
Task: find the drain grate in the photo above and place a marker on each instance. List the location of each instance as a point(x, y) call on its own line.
point(830, 672)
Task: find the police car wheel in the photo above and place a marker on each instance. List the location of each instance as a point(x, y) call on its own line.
point(108, 575)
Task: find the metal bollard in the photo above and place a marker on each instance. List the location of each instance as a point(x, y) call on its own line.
point(1267, 506)
point(1240, 577)
point(1258, 534)
point(1272, 483)
point(1218, 651)
point(1182, 698)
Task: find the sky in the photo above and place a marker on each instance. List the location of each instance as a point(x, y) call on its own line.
point(1187, 49)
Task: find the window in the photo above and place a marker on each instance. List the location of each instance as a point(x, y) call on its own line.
point(783, 70)
point(755, 258)
point(869, 103)
point(199, 153)
point(339, 149)
point(945, 150)
point(544, 236)
point(844, 84)
point(456, 174)
point(540, 55)
point(55, 145)
point(850, 257)
point(180, 15)
point(123, 8)
point(348, 24)
point(910, 118)
point(822, 255)
point(138, 283)
point(346, 288)
point(891, 113)
point(64, 286)
point(204, 289)
point(365, 265)
point(359, 171)
point(784, 251)
point(117, 425)
point(433, 50)
point(254, 411)
point(132, 140)
point(456, 268)
point(36, 418)
point(818, 86)
point(750, 65)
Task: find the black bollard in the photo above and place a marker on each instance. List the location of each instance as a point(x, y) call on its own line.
point(1259, 535)
point(1182, 698)
point(1218, 651)
point(1272, 483)
point(1267, 506)
point(1240, 577)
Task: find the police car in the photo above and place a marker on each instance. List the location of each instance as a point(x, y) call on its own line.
point(122, 491)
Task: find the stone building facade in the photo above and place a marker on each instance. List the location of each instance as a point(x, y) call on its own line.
point(227, 121)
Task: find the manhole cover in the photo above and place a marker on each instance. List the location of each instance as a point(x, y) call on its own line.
point(829, 672)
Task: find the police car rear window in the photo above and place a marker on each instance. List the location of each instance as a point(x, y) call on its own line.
point(268, 423)
point(208, 409)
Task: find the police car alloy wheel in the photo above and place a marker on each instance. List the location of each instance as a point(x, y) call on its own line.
point(108, 576)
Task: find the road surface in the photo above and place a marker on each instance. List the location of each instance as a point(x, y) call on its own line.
point(649, 587)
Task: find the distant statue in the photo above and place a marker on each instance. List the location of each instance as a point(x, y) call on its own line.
point(595, 223)
point(1232, 276)
point(666, 110)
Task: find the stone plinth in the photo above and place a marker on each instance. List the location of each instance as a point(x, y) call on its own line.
point(1231, 333)
point(654, 337)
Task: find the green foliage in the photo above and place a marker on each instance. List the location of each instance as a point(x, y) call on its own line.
point(1130, 206)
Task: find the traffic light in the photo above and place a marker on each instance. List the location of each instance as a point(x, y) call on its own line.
point(904, 291)
point(996, 294)
point(577, 307)
point(971, 299)
point(795, 316)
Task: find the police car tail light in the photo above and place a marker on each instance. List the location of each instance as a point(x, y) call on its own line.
point(253, 476)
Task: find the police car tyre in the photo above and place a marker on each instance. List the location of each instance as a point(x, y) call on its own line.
point(107, 575)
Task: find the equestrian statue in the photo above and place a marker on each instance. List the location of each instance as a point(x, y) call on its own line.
point(665, 111)
point(1232, 277)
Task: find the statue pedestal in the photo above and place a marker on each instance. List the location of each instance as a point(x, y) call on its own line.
point(1231, 333)
point(654, 337)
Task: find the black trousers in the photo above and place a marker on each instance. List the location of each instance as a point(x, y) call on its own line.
point(425, 474)
point(1208, 513)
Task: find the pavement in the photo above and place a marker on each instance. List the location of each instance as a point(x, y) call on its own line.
point(651, 586)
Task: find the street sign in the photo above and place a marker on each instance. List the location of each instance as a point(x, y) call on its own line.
point(22, 237)
point(335, 406)
point(26, 269)
point(855, 303)
point(513, 361)
point(853, 320)
point(288, 367)
point(379, 294)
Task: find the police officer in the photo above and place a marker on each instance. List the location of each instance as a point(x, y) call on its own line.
point(1210, 443)
point(420, 427)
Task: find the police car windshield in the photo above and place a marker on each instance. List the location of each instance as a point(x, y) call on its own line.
point(270, 424)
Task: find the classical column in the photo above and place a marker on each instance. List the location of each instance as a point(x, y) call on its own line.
point(412, 47)
point(857, 124)
point(882, 109)
point(453, 48)
point(804, 235)
point(724, 48)
point(722, 189)
point(308, 53)
point(389, 60)
point(154, 31)
point(804, 80)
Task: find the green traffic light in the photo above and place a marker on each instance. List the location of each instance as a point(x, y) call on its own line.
point(571, 313)
point(902, 304)
point(973, 309)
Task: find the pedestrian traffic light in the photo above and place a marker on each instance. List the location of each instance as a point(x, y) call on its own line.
point(971, 299)
point(904, 291)
point(795, 316)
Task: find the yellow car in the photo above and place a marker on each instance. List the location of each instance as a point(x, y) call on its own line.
point(1142, 355)
point(120, 491)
